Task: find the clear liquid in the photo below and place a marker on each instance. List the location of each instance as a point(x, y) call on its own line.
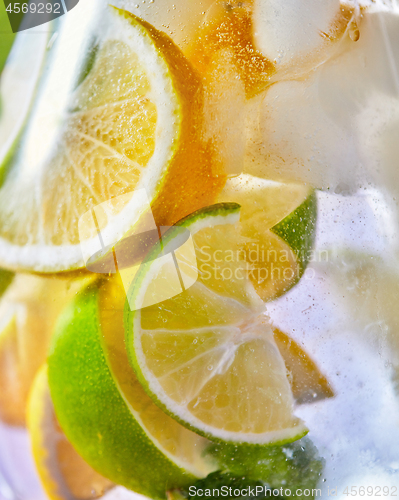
point(343, 311)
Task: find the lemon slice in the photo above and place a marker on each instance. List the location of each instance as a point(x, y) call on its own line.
point(63, 473)
point(207, 356)
point(28, 312)
point(20, 80)
point(122, 116)
point(103, 409)
point(279, 223)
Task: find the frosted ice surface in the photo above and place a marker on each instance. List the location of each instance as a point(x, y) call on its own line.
point(292, 137)
point(290, 29)
point(343, 313)
point(360, 93)
point(340, 124)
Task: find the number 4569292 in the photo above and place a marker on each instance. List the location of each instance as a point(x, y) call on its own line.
point(40, 8)
point(371, 491)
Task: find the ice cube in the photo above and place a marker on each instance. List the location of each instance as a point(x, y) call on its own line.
point(292, 138)
point(361, 90)
point(180, 19)
point(339, 125)
point(225, 114)
point(292, 29)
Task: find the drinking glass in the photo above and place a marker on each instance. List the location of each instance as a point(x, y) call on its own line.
point(323, 112)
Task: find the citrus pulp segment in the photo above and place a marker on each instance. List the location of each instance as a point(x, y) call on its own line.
point(308, 384)
point(207, 356)
point(110, 421)
point(279, 223)
point(63, 473)
point(131, 124)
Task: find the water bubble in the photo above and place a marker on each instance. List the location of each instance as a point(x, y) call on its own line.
point(210, 368)
point(353, 29)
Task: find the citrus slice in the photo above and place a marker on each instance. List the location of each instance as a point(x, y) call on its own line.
point(279, 222)
point(20, 80)
point(105, 414)
point(63, 473)
point(28, 312)
point(119, 117)
point(207, 356)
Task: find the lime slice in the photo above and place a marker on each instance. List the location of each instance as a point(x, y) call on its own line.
point(122, 116)
point(279, 222)
point(105, 414)
point(207, 356)
point(28, 312)
point(63, 473)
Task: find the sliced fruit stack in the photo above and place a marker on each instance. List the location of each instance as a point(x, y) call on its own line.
point(128, 393)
